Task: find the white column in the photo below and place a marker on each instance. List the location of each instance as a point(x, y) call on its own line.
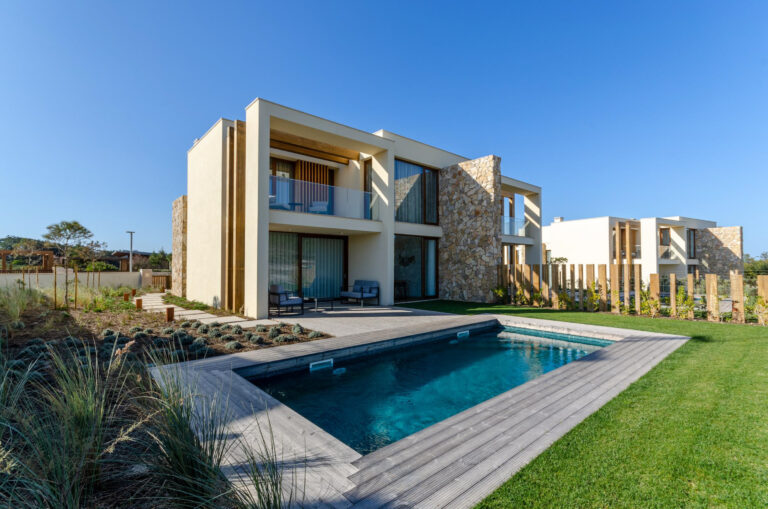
point(532, 208)
point(256, 210)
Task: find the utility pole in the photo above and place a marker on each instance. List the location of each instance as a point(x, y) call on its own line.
point(130, 253)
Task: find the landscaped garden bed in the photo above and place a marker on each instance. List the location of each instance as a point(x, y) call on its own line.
point(83, 424)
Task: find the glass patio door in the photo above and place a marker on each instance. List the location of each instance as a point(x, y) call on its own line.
point(322, 266)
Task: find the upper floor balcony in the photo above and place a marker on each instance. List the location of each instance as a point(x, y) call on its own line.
point(312, 198)
point(513, 226)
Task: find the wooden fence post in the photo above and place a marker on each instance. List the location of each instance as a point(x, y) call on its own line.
point(555, 301)
point(139, 304)
point(536, 276)
point(654, 288)
point(737, 298)
point(545, 284)
point(518, 281)
point(527, 282)
point(169, 314)
point(627, 280)
point(713, 304)
point(762, 286)
point(580, 271)
point(615, 288)
point(125, 297)
point(564, 280)
point(691, 294)
point(54, 287)
point(602, 281)
point(638, 287)
point(673, 295)
point(590, 281)
point(75, 286)
point(573, 283)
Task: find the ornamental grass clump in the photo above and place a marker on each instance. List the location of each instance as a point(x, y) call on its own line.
point(233, 345)
point(261, 328)
point(237, 330)
point(297, 329)
point(273, 332)
point(285, 338)
point(315, 334)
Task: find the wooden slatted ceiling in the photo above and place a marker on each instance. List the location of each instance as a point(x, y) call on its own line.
point(291, 142)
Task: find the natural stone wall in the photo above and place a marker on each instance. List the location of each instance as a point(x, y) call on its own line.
point(470, 216)
point(179, 253)
point(720, 250)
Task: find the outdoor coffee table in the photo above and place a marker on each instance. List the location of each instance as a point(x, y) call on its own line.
point(318, 300)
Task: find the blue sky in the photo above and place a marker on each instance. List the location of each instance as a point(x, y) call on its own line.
point(615, 108)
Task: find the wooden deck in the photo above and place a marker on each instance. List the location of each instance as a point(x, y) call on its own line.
point(454, 463)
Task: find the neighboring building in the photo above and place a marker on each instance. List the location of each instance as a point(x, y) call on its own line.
point(663, 245)
point(290, 198)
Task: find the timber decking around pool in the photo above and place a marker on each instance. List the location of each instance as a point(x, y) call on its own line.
point(454, 463)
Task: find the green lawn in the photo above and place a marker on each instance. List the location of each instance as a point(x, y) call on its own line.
point(691, 433)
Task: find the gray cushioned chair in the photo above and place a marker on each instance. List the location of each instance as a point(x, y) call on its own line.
point(280, 299)
point(361, 290)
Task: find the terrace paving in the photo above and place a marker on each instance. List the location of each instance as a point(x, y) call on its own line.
point(454, 463)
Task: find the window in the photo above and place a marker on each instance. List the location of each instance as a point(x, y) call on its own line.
point(368, 188)
point(415, 267)
point(311, 265)
point(691, 242)
point(664, 237)
point(416, 193)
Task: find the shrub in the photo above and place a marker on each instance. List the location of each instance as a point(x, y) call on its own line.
point(315, 334)
point(139, 336)
point(198, 342)
point(203, 328)
point(282, 325)
point(35, 342)
point(168, 330)
point(226, 327)
point(135, 329)
point(110, 339)
point(284, 338)
point(297, 329)
point(17, 325)
point(261, 328)
point(273, 332)
point(107, 332)
point(227, 337)
point(236, 329)
point(215, 324)
point(195, 324)
point(149, 331)
point(186, 325)
point(214, 333)
point(178, 355)
point(233, 345)
point(72, 342)
point(160, 342)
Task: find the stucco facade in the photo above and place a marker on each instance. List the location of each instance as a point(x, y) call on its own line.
point(341, 185)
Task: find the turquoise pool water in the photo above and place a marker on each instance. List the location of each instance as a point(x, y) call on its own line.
point(383, 398)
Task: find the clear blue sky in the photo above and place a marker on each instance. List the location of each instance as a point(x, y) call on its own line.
point(615, 108)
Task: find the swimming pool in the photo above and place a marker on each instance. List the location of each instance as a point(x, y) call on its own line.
point(380, 399)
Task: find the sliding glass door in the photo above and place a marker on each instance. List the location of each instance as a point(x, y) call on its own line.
point(415, 267)
point(311, 265)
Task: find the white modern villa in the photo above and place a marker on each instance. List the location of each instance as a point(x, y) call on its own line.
point(291, 199)
point(662, 245)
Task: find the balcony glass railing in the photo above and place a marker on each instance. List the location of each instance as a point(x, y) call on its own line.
point(665, 252)
point(309, 197)
point(513, 226)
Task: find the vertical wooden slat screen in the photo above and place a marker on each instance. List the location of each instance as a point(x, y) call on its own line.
point(601, 274)
point(638, 287)
point(573, 283)
point(713, 303)
point(615, 285)
point(737, 297)
point(590, 280)
point(314, 173)
point(673, 294)
point(518, 280)
point(536, 276)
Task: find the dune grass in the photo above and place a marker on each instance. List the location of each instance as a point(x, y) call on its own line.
point(690, 433)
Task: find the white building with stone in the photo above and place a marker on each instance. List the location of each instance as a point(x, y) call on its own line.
point(289, 198)
point(662, 245)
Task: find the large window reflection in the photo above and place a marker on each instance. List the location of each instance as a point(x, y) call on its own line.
point(415, 267)
point(416, 193)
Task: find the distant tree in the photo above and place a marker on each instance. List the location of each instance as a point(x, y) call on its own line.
point(68, 237)
point(22, 251)
point(160, 260)
point(754, 267)
point(558, 259)
point(91, 251)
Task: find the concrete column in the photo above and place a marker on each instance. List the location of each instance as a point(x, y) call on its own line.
point(532, 207)
point(649, 248)
point(256, 211)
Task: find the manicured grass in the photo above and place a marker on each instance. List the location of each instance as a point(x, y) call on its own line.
point(691, 433)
